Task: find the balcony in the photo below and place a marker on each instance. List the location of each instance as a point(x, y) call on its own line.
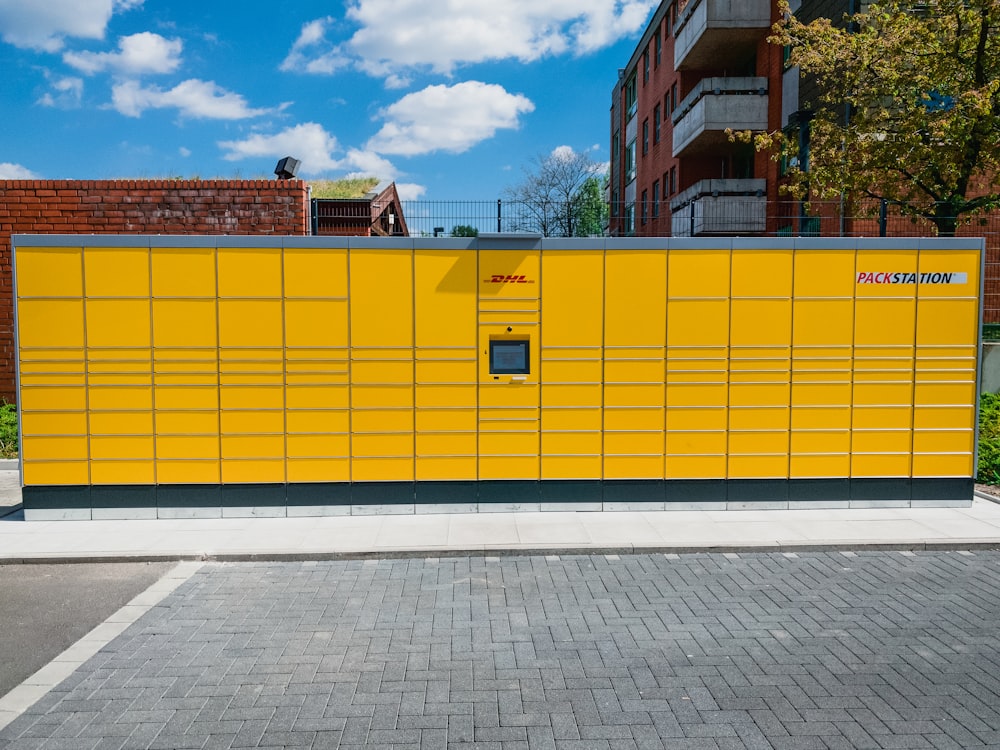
point(720, 207)
point(717, 33)
point(715, 104)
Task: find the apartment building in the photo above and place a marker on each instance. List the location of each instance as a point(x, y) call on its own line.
point(702, 66)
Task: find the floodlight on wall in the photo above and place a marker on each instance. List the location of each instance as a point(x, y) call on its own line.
point(287, 168)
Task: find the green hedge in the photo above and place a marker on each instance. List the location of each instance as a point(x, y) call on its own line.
point(8, 430)
point(988, 470)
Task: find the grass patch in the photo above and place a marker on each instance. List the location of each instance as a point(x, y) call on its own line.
point(8, 430)
point(349, 188)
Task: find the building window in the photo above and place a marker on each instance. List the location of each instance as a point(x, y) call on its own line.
point(645, 66)
point(656, 199)
point(631, 101)
point(673, 180)
point(673, 98)
point(666, 20)
point(645, 200)
point(630, 162)
point(658, 44)
point(656, 123)
point(630, 218)
point(614, 204)
point(645, 137)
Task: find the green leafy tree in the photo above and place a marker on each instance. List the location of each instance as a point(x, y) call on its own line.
point(590, 209)
point(464, 230)
point(909, 109)
point(546, 200)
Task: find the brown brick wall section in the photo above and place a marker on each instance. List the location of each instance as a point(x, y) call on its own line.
point(269, 207)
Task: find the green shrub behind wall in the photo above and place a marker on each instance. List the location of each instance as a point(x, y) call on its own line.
point(988, 470)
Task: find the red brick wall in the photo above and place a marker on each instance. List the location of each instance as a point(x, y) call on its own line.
point(278, 207)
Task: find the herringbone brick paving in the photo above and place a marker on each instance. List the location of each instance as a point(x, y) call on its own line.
point(714, 651)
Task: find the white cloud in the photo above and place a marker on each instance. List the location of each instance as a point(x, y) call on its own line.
point(448, 118)
point(396, 35)
point(145, 52)
point(312, 53)
point(308, 142)
point(409, 191)
point(66, 93)
point(193, 98)
point(45, 24)
point(10, 171)
point(184, 151)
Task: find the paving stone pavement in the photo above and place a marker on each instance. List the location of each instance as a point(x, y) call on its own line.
point(592, 652)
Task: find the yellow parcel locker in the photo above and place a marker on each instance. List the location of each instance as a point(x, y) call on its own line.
point(381, 283)
point(117, 272)
point(51, 323)
point(250, 272)
point(49, 272)
point(445, 299)
point(761, 272)
point(184, 272)
point(568, 278)
point(320, 273)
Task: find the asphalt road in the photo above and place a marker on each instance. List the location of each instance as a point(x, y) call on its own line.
point(748, 651)
point(45, 609)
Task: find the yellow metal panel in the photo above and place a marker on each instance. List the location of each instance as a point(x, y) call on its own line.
point(508, 443)
point(634, 419)
point(943, 441)
point(187, 446)
point(250, 323)
point(449, 420)
point(50, 323)
point(56, 448)
point(53, 379)
point(121, 423)
point(364, 445)
point(117, 271)
point(761, 322)
point(635, 302)
point(184, 272)
point(572, 419)
point(699, 273)
point(883, 393)
point(820, 417)
point(381, 297)
point(625, 443)
point(633, 467)
point(633, 371)
point(561, 372)
point(56, 473)
point(186, 422)
point(245, 472)
point(947, 321)
point(318, 470)
point(53, 423)
point(49, 272)
point(824, 273)
point(874, 465)
point(446, 468)
point(955, 394)
point(944, 417)
point(759, 394)
point(445, 294)
point(757, 467)
point(943, 465)
point(184, 323)
point(446, 395)
point(758, 442)
point(382, 372)
point(886, 417)
point(569, 278)
point(698, 322)
point(118, 323)
point(251, 397)
point(639, 394)
point(571, 443)
point(697, 393)
point(822, 322)
point(378, 469)
point(119, 397)
point(509, 395)
point(585, 394)
point(697, 419)
point(384, 396)
point(234, 422)
point(882, 441)
point(315, 272)
point(821, 394)
point(572, 467)
point(122, 472)
point(947, 263)
point(758, 418)
point(252, 446)
point(761, 273)
point(430, 372)
point(447, 444)
point(508, 274)
point(875, 267)
point(830, 441)
point(817, 467)
point(382, 420)
point(315, 323)
point(697, 443)
point(187, 397)
point(508, 467)
point(319, 422)
point(885, 322)
point(696, 467)
point(188, 472)
point(318, 396)
point(250, 271)
point(114, 446)
point(319, 446)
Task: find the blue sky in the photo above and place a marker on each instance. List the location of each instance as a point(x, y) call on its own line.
point(449, 98)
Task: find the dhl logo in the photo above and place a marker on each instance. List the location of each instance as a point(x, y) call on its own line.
point(499, 278)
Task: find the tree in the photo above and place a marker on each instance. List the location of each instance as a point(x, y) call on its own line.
point(590, 209)
point(464, 230)
point(909, 109)
point(546, 201)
